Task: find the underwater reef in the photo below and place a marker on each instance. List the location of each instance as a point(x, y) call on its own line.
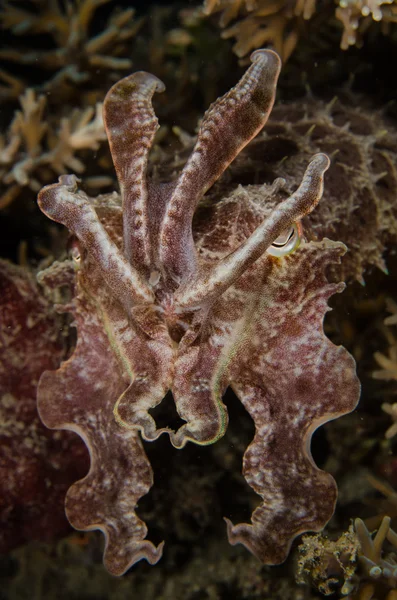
point(281, 23)
point(198, 347)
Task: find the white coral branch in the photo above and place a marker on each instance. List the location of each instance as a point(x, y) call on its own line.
point(30, 143)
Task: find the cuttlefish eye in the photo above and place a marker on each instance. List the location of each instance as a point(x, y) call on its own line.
point(74, 250)
point(287, 242)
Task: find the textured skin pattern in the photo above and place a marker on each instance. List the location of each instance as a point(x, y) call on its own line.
point(160, 307)
point(284, 375)
point(358, 205)
point(36, 465)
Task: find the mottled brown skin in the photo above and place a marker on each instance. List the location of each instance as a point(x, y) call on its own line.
point(358, 206)
point(96, 378)
point(160, 307)
point(278, 371)
point(36, 465)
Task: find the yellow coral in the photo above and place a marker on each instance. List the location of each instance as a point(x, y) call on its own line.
point(388, 364)
point(277, 22)
point(266, 23)
point(356, 563)
point(30, 144)
point(376, 566)
point(356, 16)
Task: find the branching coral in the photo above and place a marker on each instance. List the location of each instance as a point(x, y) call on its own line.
point(356, 17)
point(81, 60)
point(75, 55)
point(32, 151)
point(267, 22)
point(376, 567)
point(278, 22)
point(388, 365)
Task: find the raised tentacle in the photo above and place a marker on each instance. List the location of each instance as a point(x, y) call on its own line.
point(227, 127)
point(131, 126)
point(227, 271)
point(62, 203)
point(148, 350)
